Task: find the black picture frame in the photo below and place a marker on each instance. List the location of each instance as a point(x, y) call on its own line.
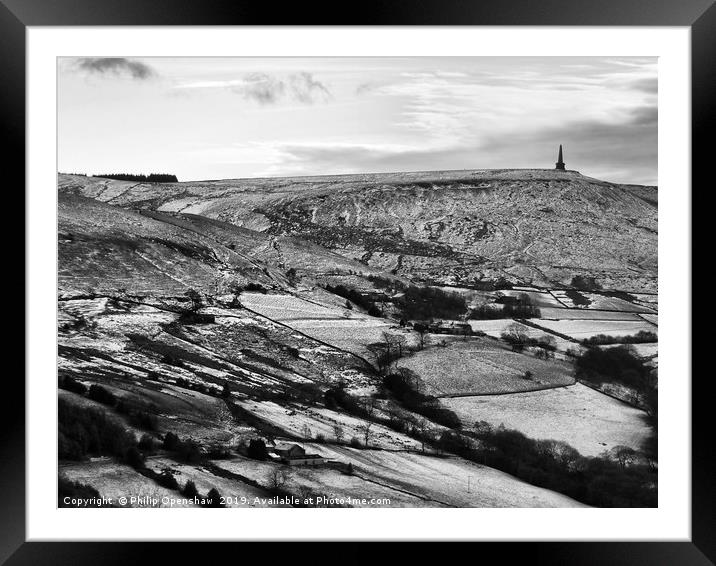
point(17, 15)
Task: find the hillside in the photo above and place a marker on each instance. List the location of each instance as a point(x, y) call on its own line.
point(537, 227)
point(204, 310)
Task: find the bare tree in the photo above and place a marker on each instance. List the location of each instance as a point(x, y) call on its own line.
point(369, 405)
point(516, 335)
point(400, 342)
point(366, 432)
point(624, 455)
point(338, 433)
point(277, 477)
point(422, 426)
point(423, 336)
point(306, 431)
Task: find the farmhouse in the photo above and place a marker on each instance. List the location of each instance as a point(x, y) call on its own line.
point(295, 455)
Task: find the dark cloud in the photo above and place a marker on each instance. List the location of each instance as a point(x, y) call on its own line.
point(268, 89)
point(619, 152)
point(115, 66)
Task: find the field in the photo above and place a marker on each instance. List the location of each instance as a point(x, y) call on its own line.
point(307, 422)
point(614, 303)
point(653, 318)
point(587, 314)
point(541, 299)
point(581, 329)
point(588, 420)
point(205, 480)
point(411, 480)
point(340, 327)
point(115, 480)
point(352, 335)
point(496, 327)
point(482, 366)
point(649, 350)
point(285, 308)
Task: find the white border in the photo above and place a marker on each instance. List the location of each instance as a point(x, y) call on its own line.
point(671, 521)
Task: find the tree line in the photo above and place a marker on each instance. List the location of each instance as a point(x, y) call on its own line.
point(151, 178)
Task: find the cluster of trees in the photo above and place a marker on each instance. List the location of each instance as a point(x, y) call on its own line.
point(73, 490)
point(354, 297)
point(151, 178)
point(425, 303)
point(212, 499)
point(497, 284)
point(520, 306)
point(516, 336)
point(186, 450)
point(336, 398)
point(621, 366)
point(84, 432)
point(577, 298)
point(585, 283)
point(417, 303)
point(386, 283)
point(394, 347)
point(619, 478)
point(641, 337)
point(137, 416)
point(404, 386)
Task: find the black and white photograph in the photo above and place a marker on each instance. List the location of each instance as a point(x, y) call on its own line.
point(357, 282)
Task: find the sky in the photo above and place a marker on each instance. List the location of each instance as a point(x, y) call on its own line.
point(221, 118)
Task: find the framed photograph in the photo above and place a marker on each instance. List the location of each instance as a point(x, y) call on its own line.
point(294, 276)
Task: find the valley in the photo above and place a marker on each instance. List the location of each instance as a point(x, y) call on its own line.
point(407, 330)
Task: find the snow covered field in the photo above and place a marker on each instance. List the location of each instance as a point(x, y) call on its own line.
point(445, 479)
point(496, 327)
point(581, 329)
point(287, 307)
point(205, 480)
point(340, 327)
point(302, 421)
point(115, 480)
point(352, 335)
point(480, 366)
point(409, 480)
point(586, 314)
point(588, 420)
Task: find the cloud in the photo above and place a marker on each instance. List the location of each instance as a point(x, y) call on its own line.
point(645, 116)
point(649, 85)
point(261, 88)
point(115, 66)
point(308, 90)
point(266, 89)
point(622, 151)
